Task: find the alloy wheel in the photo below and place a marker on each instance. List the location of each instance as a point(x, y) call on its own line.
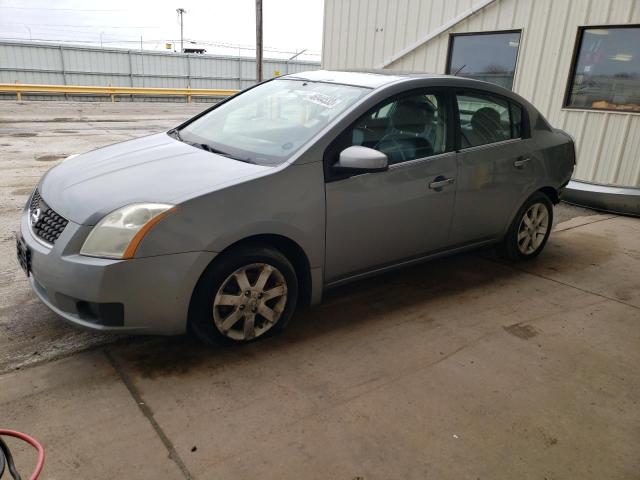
point(250, 301)
point(533, 228)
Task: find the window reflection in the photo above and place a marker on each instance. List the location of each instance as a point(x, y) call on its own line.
point(606, 74)
point(485, 56)
point(487, 119)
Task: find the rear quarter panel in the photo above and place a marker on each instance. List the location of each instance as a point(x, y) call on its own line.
point(557, 151)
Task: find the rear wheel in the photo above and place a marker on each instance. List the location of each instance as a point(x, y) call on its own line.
point(246, 294)
point(530, 229)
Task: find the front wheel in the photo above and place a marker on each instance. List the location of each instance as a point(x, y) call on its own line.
point(246, 294)
point(530, 229)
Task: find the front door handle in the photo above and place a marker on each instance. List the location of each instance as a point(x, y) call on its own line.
point(521, 162)
point(440, 182)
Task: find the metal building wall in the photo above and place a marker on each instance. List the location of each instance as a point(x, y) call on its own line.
point(366, 33)
point(78, 65)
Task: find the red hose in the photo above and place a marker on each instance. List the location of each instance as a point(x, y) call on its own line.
point(34, 443)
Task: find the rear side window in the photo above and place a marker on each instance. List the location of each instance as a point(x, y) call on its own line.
point(486, 119)
point(516, 120)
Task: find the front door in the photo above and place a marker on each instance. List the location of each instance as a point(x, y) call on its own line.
point(377, 219)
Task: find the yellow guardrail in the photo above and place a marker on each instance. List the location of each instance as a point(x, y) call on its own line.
point(20, 88)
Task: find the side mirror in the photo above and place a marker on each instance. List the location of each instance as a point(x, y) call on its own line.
point(358, 159)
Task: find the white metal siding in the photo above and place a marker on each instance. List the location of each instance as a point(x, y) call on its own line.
point(363, 33)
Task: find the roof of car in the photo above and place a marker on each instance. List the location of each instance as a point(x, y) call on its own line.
point(368, 79)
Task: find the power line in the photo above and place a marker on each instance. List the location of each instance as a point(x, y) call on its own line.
point(69, 35)
point(156, 41)
point(248, 47)
point(66, 9)
point(77, 40)
point(74, 26)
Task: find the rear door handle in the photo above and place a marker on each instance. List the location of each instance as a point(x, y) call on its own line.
point(521, 162)
point(440, 182)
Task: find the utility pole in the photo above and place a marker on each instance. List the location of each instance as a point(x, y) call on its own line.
point(258, 40)
point(181, 12)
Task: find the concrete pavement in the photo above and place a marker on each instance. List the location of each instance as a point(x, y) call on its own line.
point(462, 368)
point(466, 367)
point(34, 136)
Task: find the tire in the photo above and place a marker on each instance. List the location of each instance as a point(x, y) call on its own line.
point(527, 237)
point(221, 311)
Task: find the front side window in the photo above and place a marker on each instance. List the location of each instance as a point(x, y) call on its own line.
point(606, 70)
point(487, 119)
point(404, 128)
point(269, 123)
point(485, 56)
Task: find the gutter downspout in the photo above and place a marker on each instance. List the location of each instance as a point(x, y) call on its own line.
point(431, 35)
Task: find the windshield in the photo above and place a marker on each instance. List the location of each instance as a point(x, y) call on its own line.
point(269, 123)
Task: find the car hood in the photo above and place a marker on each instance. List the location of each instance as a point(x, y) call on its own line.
point(156, 168)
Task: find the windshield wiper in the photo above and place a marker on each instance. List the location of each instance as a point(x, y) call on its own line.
point(209, 148)
point(205, 146)
point(175, 133)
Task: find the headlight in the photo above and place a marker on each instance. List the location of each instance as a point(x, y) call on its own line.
point(118, 234)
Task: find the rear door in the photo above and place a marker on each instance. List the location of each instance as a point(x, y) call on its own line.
point(497, 165)
point(377, 219)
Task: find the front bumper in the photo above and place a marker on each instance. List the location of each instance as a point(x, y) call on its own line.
point(148, 295)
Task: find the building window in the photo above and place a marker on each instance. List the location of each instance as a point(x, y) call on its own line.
point(605, 74)
point(489, 56)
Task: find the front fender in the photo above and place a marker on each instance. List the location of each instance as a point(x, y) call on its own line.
point(290, 203)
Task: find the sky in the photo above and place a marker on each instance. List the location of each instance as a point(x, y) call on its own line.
point(220, 26)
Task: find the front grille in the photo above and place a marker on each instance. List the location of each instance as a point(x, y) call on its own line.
point(35, 200)
point(45, 223)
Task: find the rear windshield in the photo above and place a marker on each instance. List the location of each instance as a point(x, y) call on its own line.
point(269, 123)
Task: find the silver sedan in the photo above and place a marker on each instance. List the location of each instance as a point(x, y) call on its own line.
point(228, 222)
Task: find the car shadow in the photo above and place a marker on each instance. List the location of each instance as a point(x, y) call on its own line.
point(357, 308)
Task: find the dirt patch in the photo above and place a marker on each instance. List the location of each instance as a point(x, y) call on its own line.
point(521, 330)
point(600, 246)
point(22, 191)
point(118, 120)
point(170, 356)
point(565, 211)
point(65, 131)
point(24, 135)
point(79, 120)
point(549, 440)
point(625, 293)
point(50, 158)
